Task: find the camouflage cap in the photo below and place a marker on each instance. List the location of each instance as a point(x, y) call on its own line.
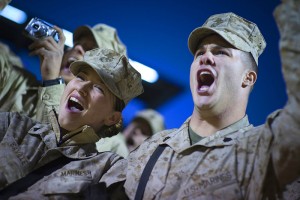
point(114, 70)
point(239, 32)
point(104, 35)
point(154, 119)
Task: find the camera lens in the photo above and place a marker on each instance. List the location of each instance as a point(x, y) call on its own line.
point(36, 26)
point(39, 30)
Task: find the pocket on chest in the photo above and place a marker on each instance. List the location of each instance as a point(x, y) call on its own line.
point(68, 181)
point(218, 186)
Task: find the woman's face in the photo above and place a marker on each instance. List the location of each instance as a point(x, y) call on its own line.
point(87, 101)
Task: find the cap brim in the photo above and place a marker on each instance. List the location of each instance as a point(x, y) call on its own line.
point(77, 66)
point(83, 31)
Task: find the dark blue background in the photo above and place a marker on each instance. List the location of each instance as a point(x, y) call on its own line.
point(155, 33)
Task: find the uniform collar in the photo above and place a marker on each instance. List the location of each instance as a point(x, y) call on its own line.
point(180, 141)
point(82, 135)
point(77, 144)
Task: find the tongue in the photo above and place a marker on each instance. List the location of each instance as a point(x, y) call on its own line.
point(74, 108)
point(204, 88)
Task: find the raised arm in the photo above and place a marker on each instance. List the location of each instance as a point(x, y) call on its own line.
point(50, 53)
point(286, 144)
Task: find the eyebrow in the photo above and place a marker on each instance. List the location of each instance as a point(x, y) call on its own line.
point(88, 73)
point(215, 46)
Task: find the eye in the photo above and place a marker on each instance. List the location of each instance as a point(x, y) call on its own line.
point(98, 88)
point(221, 52)
point(199, 53)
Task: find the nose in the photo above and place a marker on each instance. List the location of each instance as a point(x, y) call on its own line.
point(207, 59)
point(83, 87)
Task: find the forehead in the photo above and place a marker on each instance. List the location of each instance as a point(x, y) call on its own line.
point(214, 39)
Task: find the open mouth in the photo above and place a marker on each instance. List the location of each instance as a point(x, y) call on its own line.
point(205, 80)
point(71, 60)
point(67, 65)
point(74, 104)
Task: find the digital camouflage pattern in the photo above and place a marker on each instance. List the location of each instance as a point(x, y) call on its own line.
point(20, 91)
point(26, 145)
point(105, 36)
point(240, 161)
point(115, 71)
point(239, 32)
point(74, 180)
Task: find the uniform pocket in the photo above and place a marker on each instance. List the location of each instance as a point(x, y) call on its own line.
point(68, 181)
point(222, 185)
point(228, 191)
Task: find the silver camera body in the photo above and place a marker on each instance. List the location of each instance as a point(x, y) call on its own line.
point(39, 29)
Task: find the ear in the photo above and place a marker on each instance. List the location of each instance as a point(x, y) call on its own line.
point(113, 118)
point(249, 79)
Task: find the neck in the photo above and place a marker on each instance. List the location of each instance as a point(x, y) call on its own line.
point(206, 124)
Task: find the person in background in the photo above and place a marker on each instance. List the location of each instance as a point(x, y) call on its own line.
point(15, 95)
point(4, 3)
point(217, 153)
point(90, 108)
point(144, 124)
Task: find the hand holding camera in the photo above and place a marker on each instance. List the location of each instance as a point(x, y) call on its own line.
point(39, 29)
point(48, 44)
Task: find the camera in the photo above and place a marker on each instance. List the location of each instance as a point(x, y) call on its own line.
point(39, 29)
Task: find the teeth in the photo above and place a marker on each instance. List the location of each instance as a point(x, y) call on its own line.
point(72, 59)
point(75, 100)
point(204, 73)
point(206, 78)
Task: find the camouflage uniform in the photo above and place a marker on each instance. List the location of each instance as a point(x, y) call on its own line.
point(240, 161)
point(27, 145)
point(21, 92)
point(115, 144)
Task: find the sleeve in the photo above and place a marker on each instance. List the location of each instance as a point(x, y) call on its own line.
point(14, 162)
point(48, 99)
point(18, 87)
point(4, 65)
point(7, 60)
point(115, 177)
point(4, 116)
point(286, 125)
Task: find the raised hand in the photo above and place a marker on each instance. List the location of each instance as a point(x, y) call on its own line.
point(50, 53)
